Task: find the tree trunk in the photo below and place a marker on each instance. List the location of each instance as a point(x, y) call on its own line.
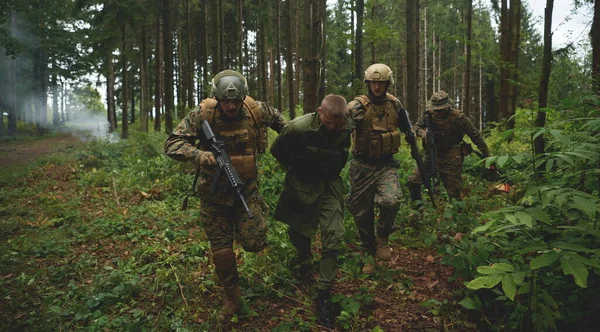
point(278, 55)
point(203, 51)
point(240, 35)
point(190, 59)
point(358, 49)
point(515, 38)
point(11, 129)
point(55, 114)
point(289, 60)
point(311, 65)
point(540, 121)
point(143, 82)
point(168, 64)
point(297, 28)
point(110, 93)
point(412, 58)
point(321, 32)
point(158, 81)
point(504, 66)
point(596, 48)
point(124, 85)
point(466, 107)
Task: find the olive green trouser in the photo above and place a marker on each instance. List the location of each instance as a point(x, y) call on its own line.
point(332, 232)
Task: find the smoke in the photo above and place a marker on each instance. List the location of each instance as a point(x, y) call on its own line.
point(90, 127)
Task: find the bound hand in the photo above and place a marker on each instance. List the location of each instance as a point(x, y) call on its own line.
point(206, 159)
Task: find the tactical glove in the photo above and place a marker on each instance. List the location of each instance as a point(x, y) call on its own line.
point(206, 159)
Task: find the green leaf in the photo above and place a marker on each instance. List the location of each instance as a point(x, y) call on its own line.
point(519, 277)
point(525, 218)
point(485, 282)
point(576, 269)
point(564, 139)
point(502, 161)
point(509, 286)
point(497, 268)
point(566, 158)
point(549, 165)
point(539, 214)
point(511, 217)
point(585, 205)
point(571, 246)
point(543, 260)
point(594, 262)
point(484, 227)
point(468, 303)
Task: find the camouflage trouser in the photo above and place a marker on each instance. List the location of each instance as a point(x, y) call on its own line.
point(371, 186)
point(450, 171)
point(223, 224)
point(331, 226)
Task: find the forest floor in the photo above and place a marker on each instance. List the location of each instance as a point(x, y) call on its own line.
point(16, 153)
point(426, 302)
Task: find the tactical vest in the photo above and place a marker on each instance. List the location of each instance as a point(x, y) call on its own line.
point(447, 139)
point(377, 135)
point(242, 139)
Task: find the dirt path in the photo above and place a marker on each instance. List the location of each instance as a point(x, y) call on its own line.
point(22, 152)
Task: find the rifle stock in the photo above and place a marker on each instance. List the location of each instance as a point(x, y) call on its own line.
point(224, 167)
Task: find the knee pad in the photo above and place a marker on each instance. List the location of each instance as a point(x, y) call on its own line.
point(224, 259)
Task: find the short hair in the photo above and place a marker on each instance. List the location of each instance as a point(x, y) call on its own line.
point(334, 105)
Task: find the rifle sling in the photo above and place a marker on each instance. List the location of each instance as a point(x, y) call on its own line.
point(184, 205)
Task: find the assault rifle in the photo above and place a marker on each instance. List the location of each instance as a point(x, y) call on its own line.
point(406, 127)
point(224, 166)
point(429, 147)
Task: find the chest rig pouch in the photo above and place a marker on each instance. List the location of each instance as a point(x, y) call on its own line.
point(239, 139)
point(378, 136)
point(447, 138)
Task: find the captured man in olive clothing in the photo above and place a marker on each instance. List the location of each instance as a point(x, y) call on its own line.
point(314, 149)
point(373, 173)
point(241, 123)
point(449, 125)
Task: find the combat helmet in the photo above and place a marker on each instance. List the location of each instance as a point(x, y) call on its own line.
point(379, 72)
point(229, 85)
point(439, 101)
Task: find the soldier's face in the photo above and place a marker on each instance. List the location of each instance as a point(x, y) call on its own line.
point(441, 114)
point(331, 123)
point(230, 107)
point(377, 88)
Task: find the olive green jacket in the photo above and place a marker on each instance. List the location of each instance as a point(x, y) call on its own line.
point(313, 158)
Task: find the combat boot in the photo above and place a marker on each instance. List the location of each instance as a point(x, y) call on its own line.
point(369, 266)
point(305, 274)
point(233, 302)
point(325, 317)
point(384, 252)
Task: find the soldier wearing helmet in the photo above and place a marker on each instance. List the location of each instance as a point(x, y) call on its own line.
point(374, 182)
point(241, 124)
point(449, 125)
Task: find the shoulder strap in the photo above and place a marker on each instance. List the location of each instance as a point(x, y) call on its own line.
point(208, 109)
point(253, 109)
point(363, 99)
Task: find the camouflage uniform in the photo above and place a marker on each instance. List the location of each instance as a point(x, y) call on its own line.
point(312, 197)
point(373, 170)
point(224, 219)
point(448, 134)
